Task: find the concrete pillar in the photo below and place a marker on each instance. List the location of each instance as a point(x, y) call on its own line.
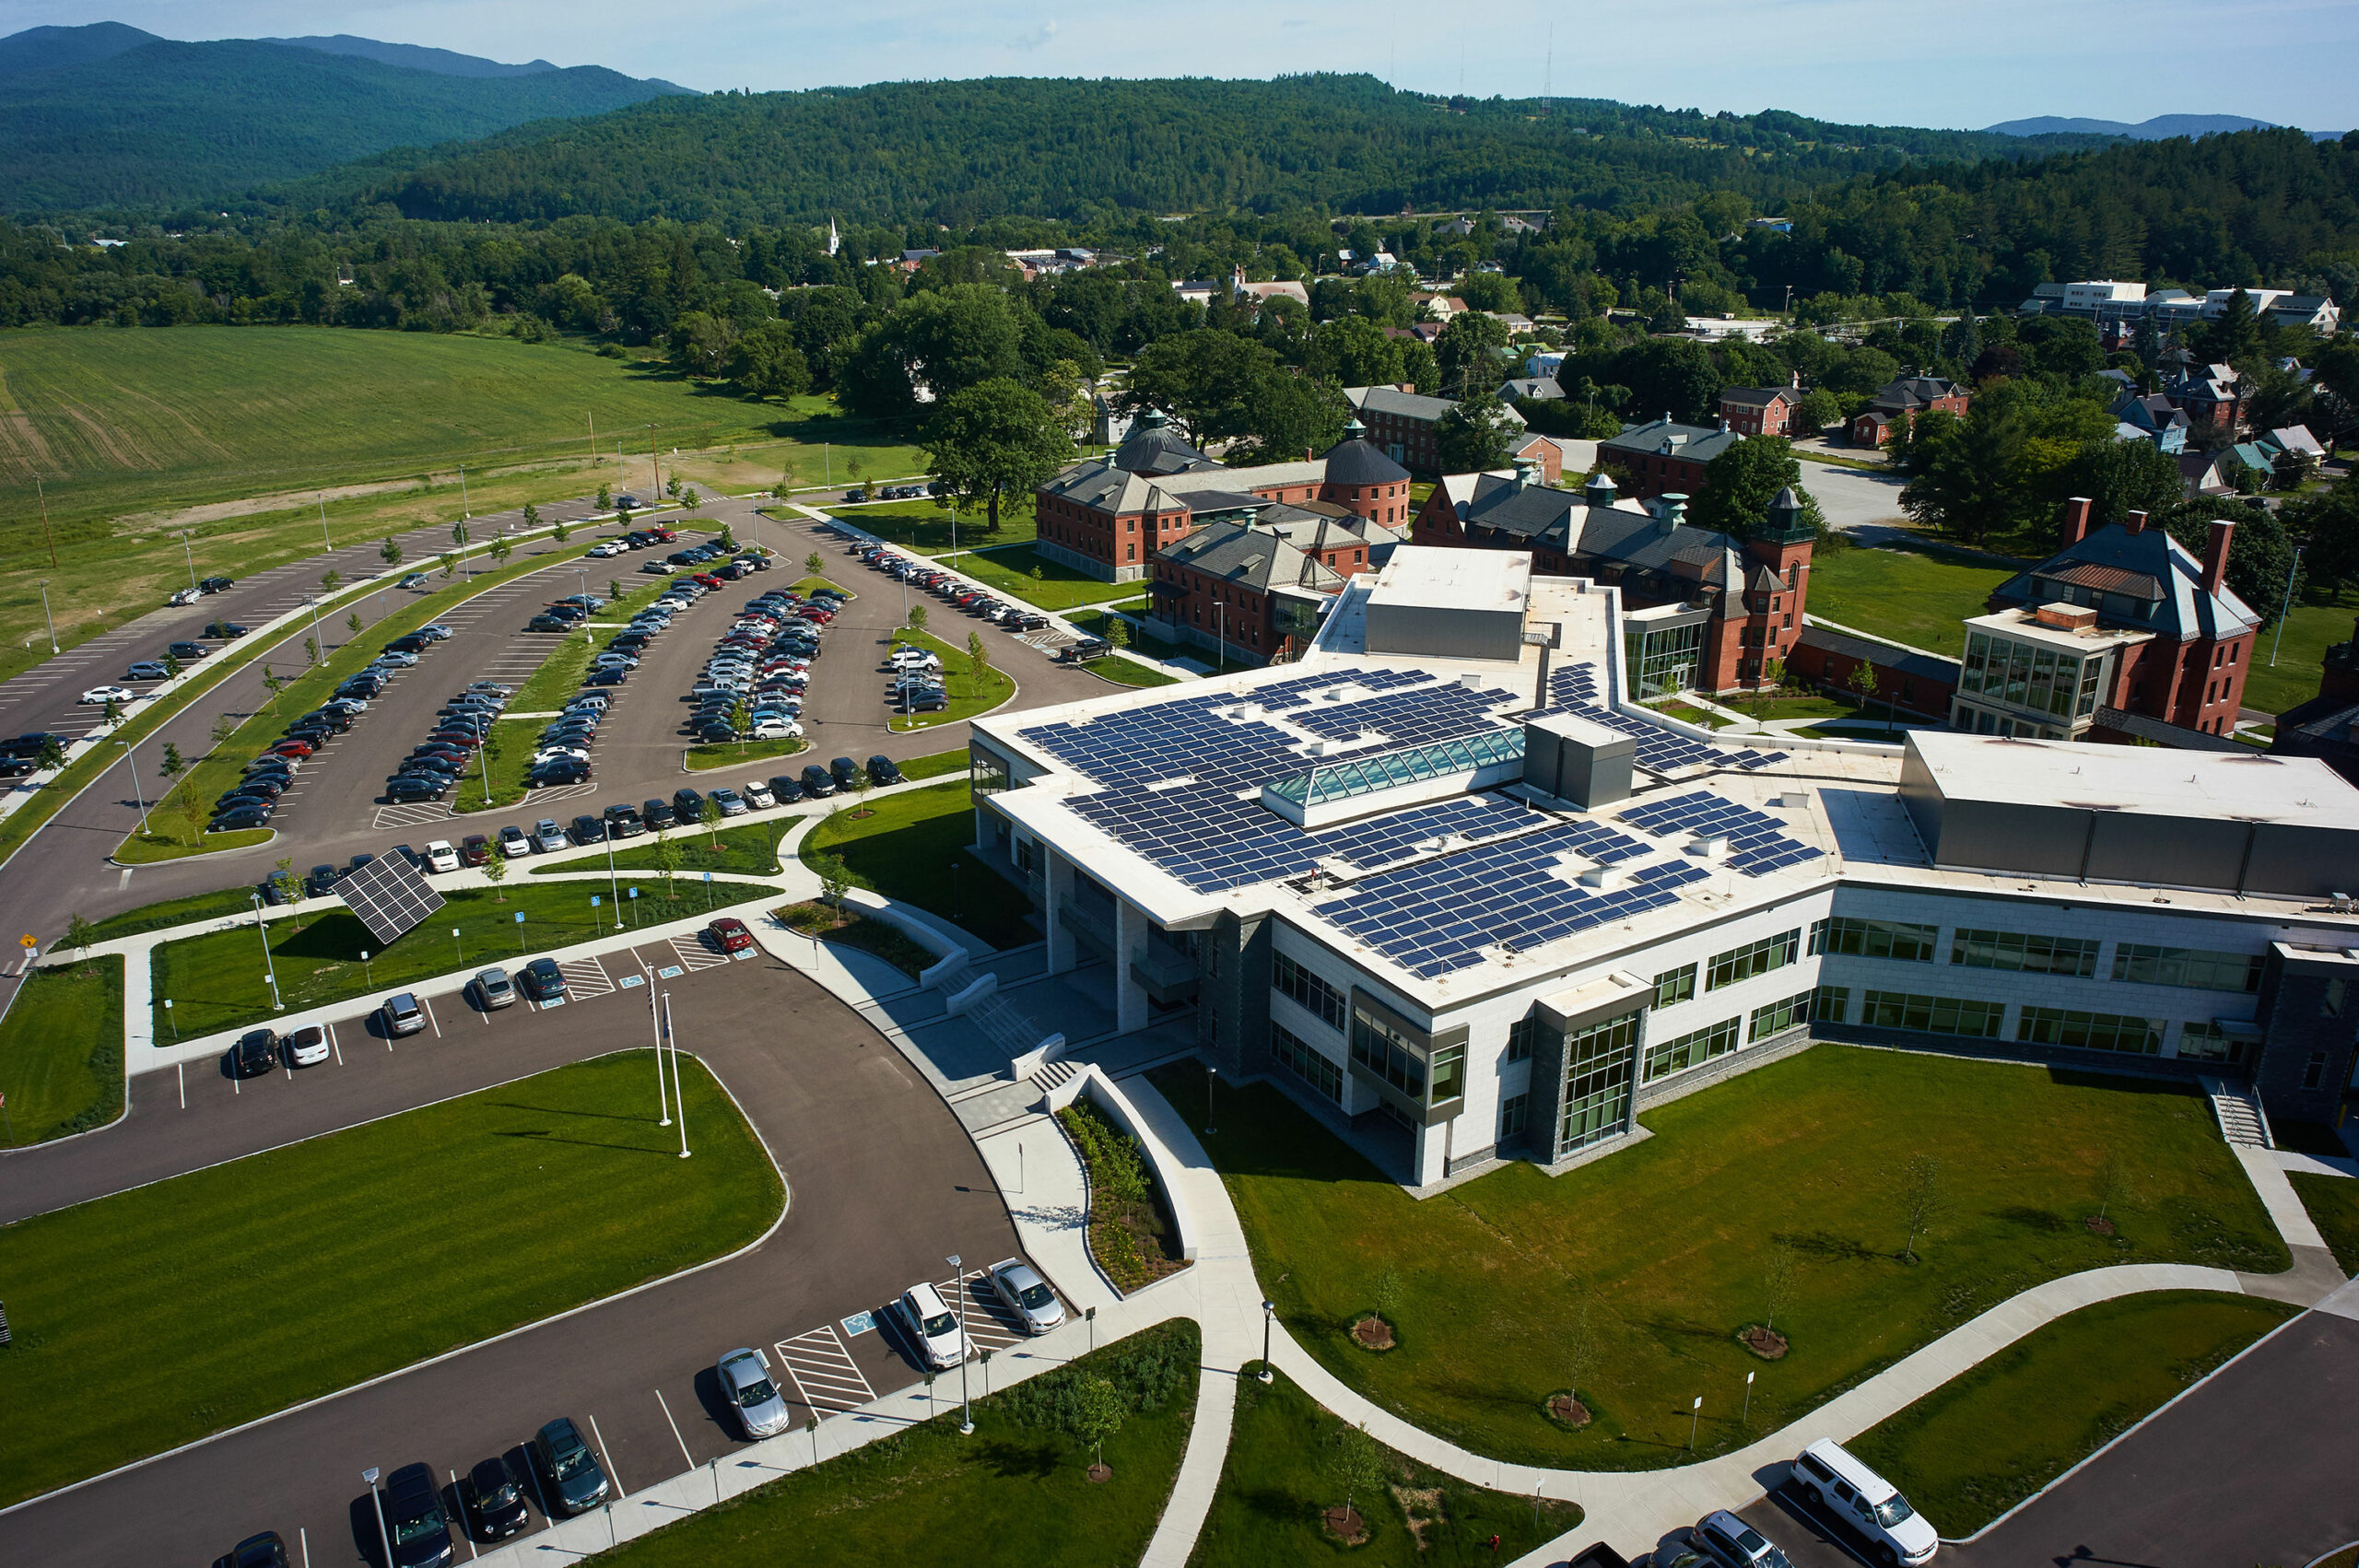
point(1430, 1161)
point(1062, 958)
point(1130, 939)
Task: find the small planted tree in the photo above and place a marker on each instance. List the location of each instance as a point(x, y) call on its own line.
point(562, 530)
point(282, 876)
point(51, 756)
point(835, 880)
point(1777, 1282)
point(494, 872)
point(311, 650)
point(191, 810)
point(330, 579)
point(352, 622)
point(450, 562)
point(812, 562)
point(1863, 684)
point(171, 668)
point(979, 657)
point(1118, 631)
point(174, 762)
point(861, 785)
point(692, 501)
point(2113, 1185)
point(1097, 1413)
point(1375, 1331)
point(1921, 1200)
point(1578, 1351)
point(223, 727)
point(112, 714)
point(709, 815)
point(917, 618)
point(532, 515)
point(80, 937)
point(740, 719)
point(667, 861)
point(606, 497)
point(1349, 1460)
point(500, 548)
point(271, 683)
point(390, 552)
point(614, 589)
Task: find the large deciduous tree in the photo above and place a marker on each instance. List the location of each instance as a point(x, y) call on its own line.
point(1467, 353)
point(995, 438)
point(1739, 484)
point(1204, 379)
point(1474, 436)
point(1292, 414)
point(945, 340)
point(765, 362)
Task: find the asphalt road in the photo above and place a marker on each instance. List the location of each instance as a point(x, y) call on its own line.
point(333, 812)
point(884, 1186)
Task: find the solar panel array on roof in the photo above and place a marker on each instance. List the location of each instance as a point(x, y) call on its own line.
point(1442, 914)
point(1757, 843)
point(1660, 751)
point(1408, 717)
point(389, 896)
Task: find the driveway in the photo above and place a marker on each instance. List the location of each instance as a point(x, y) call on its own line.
point(1865, 506)
point(884, 1184)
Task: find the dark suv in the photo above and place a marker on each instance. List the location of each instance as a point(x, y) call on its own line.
point(575, 1482)
point(419, 1530)
point(688, 804)
point(623, 822)
point(657, 814)
point(845, 772)
point(816, 784)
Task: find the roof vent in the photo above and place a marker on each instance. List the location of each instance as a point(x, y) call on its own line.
point(1710, 846)
point(1605, 879)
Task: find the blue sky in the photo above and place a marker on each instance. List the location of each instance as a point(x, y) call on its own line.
point(1854, 59)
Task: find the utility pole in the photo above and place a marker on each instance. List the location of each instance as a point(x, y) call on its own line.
point(2284, 610)
point(48, 537)
point(325, 537)
point(655, 466)
point(47, 619)
point(190, 554)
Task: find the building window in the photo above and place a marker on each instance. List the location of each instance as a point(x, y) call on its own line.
point(2191, 967)
point(1833, 1004)
point(2090, 1031)
point(2074, 956)
point(1691, 1049)
point(1448, 1074)
point(1875, 939)
point(1377, 1046)
point(1598, 1069)
point(2206, 1041)
point(1778, 1017)
point(1753, 958)
point(1675, 986)
point(1519, 1037)
point(1295, 1056)
point(1314, 995)
point(1932, 1015)
point(1511, 1115)
point(2315, 1074)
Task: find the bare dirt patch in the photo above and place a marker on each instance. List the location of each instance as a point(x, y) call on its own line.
point(1421, 1505)
point(2098, 1224)
point(1346, 1525)
point(1373, 1333)
point(1565, 1411)
point(1100, 1474)
point(1766, 1343)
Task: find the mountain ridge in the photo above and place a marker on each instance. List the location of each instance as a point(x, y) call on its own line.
point(2160, 127)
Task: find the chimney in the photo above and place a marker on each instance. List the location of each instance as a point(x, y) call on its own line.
point(2134, 523)
point(2215, 554)
point(2076, 520)
point(1527, 474)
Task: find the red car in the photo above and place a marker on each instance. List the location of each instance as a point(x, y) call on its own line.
point(475, 850)
point(705, 579)
point(730, 935)
point(297, 749)
point(661, 532)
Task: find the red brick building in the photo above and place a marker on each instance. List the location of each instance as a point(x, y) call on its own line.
point(1661, 457)
point(1703, 609)
point(1759, 411)
point(1899, 403)
point(1108, 519)
point(1401, 423)
point(2122, 626)
point(1257, 590)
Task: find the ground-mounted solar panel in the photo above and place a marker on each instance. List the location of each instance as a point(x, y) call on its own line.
point(389, 896)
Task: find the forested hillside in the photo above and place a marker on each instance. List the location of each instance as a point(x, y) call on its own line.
point(959, 152)
point(87, 122)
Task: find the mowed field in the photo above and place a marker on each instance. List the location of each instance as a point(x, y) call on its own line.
point(126, 429)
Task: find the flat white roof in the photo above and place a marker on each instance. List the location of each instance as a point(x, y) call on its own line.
point(2137, 779)
point(1427, 578)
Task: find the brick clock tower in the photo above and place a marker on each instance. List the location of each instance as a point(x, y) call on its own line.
point(1782, 544)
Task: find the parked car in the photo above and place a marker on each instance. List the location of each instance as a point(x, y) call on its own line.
point(473, 849)
point(589, 830)
point(493, 988)
point(185, 596)
point(491, 1501)
point(513, 844)
point(241, 817)
point(419, 1530)
point(815, 782)
point(402, 1016)
point(542, 980)
point(932, 1327)
point(1829, 1478)
point(321, 882)
point(882, 771)
point(1022, 1291)
point(1086, 648)
point(729, 801)
point(99, 695)
point(255, 1053)
point(688, 804)
point(440, 856)
point(218, 584)
point(785, 789)
point(576, 1481)
point(411, 788)
point(730, 935)
point(547, 836)
point(845, 772)
point(264, 1551)
point(745, 1384)
point(1730, 1542)
point(147, 670)
point(757, 794)
point(307, 1047)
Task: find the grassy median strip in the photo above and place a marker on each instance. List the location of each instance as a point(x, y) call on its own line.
point(913, 847)
point(741, 753)
point(218, 981)
point(1778, 1197)
point(152, 848)
point(1991, 1437)
point(751, 851)
point(1282, 1477)
point(1016, 1494)
point(61, 1051)
point(340, 1252)
point(226, 904)
point(2333, 1205)
point(971, 690)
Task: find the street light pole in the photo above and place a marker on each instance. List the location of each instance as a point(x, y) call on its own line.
point(1212, 1081)
point(1268, 1308)
point(46, 619)
point(2286, 609)
point(466, 507)
point(325, 538)
point(191, 555)
point(369, 1479)
point(138, 798)
point(965, 1350)
point(679, 1095)
point(270, 969)
point(663, 1095)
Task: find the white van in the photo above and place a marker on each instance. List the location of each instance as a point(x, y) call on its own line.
point(1828, 1475)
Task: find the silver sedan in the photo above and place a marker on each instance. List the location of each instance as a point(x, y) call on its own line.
point(745, 1384)
point(1025, 1293)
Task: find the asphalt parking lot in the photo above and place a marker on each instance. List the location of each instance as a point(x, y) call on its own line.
point(882, 1187)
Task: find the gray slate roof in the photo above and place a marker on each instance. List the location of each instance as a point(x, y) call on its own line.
point(1663, 437)
point(1250, 557)
point(2147, 562)
point(1621, 532)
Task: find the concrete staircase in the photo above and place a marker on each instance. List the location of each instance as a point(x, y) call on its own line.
point(2242, 1122)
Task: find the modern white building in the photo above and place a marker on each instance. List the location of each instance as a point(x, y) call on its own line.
point(1439, 882)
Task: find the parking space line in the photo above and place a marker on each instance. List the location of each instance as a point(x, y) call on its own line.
point(612, 1474)
point(986, 1318)
point(675, 1425)
point(465, 1532)
point(585, 976)
point(823, 1370)
point(430, 1018)
point(694, 955)
point(334, 1046)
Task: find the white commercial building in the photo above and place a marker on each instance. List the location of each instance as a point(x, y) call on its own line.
point(1442, 883)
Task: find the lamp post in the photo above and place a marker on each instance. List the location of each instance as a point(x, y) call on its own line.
point(1212, 1078)
point(269, 969)
point(663, 1095)
point(2286, 609)
point(1089, 1316)
point(46, 619)
point(1694, 1414)
point(679, 1095)
point(191, 557)
point(966, 1351)
point(325, 537)
point(1746, 1418)
point(377, 1503)
point(466, 509)
point(1269, 1309)
point(141, 801)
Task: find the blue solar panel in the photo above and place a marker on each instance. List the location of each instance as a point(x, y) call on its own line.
point(1757, 843)
point(1574, 690)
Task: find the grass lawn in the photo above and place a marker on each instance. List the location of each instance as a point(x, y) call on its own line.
point(751, 851)
point(225, 904)
point(216, 980)
point(1670, 1242)
point(61, 1051)
point(1128, 672)
point(1022, 572)
point(1692, 715)
point(1013, 1495)
point(1272, 1496)
point(1983, 1442)
point(149, 848)
point(906, 844)
point(810, 585)
point(1920, 596)
point(1801, 705)
point(741, 753)
point(355, 1247)
point(886, 941)
point(922, 527)
point(935, 766)
point(2316, 624)
point(970, 693)
point(2333, 1205)
point(127, 427)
